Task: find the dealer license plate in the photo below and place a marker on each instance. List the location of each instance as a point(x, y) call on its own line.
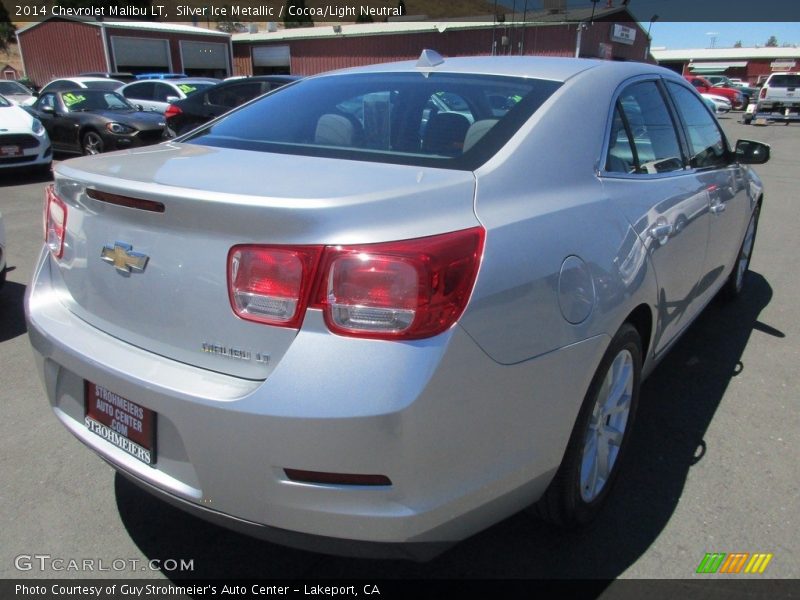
point(121, 422)
point(10, 150)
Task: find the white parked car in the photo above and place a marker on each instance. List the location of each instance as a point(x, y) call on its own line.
point(157, 94)
point(23, 139)
point(78, 83)
point(721, 104)
point(17, 93)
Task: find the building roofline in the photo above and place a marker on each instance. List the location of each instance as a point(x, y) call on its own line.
point(724, 53)
point(132, 25)
point(332, 31)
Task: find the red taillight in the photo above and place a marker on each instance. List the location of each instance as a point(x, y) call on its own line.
point(763, 93)
point(55, 222)
point(397, 290)
point(271, 284)
point(172, 111)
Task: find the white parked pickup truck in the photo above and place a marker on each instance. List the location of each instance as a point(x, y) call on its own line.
point(778, 100)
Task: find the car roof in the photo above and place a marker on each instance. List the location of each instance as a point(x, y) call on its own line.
point(82, 79)
point(181, 81)
point(286, 78)
point(539, 67)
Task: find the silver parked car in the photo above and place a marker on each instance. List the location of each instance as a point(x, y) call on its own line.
point(351, 312)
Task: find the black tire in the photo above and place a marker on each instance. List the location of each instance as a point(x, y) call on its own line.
point(747, 119)
point(42, 170)
point(91, 143)
point(734, 285)
point(568, 501)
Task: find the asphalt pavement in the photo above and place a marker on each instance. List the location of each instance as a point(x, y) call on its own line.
point(714, 462)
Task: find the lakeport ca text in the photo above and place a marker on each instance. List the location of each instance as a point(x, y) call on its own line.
point(141, 591)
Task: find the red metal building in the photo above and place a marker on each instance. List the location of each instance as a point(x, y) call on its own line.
point(63, 47)
point(611, 34)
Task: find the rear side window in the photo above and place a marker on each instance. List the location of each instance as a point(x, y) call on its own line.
point(621, 158)
point(163, 91)
point(107, 85)
point(140, 91)
point(652, 142)
point(443, 120)
point(706, 143)
point(235, 94)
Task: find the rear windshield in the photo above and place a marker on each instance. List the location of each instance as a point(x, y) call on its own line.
point(444, 120)
point(784, 81)
point(108, 85)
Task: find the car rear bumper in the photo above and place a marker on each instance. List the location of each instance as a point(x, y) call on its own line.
point(465, 441)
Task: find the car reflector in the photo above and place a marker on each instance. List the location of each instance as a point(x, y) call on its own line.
point(55, 222)
point(321, 478)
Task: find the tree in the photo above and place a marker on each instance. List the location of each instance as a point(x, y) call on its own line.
point(772, 42)
point(7, 28)
point(298, 16)
point(738, 44)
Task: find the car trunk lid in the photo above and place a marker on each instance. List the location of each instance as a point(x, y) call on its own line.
point(177, 303)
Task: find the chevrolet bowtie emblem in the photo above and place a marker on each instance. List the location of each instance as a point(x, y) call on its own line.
point(123, 258)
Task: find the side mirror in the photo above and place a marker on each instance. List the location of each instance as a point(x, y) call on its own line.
point(749, 152)
point(139, 107)
point(48, 109)
point(172, 99)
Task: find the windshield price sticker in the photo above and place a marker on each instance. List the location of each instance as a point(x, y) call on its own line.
point(71, 99)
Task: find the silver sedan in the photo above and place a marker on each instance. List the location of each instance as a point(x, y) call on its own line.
point(380, 309)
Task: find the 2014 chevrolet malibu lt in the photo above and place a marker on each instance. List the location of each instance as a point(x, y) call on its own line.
point(381, 309)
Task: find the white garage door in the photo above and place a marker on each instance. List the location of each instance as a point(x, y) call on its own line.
point(204, 55)
point(140, 52)
point(271, 56)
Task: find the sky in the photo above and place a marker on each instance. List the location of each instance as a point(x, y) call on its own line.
point(675, 36)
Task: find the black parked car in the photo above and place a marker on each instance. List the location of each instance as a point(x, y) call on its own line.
point(201, 107)
point(94, 121)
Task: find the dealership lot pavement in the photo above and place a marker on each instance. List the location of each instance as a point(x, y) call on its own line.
point(714, 462)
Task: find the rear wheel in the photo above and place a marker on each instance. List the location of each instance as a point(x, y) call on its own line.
point(735, 284)
point(600, 437)
point(92, 143)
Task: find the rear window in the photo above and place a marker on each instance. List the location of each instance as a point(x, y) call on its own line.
point(441, 120)
point(108, 85)
point(784, 81)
